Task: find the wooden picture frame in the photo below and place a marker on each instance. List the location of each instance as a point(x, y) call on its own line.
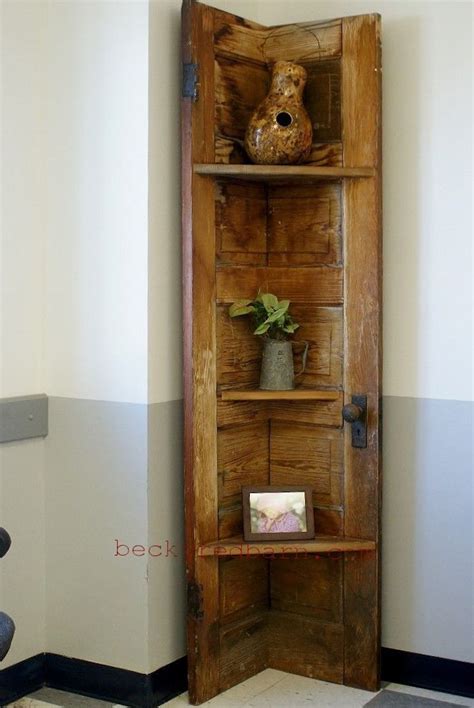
point(307, 518)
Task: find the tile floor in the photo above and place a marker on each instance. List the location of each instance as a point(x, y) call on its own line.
point(275, 689)
point(52, 698)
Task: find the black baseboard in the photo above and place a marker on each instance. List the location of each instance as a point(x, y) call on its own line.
point(435, 673)
point(147, 691)
point(116, 685)
point(22, 678)
point(95, 680)
point(168, 682)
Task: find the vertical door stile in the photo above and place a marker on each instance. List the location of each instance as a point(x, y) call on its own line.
point(200, 358)
point(361, 88)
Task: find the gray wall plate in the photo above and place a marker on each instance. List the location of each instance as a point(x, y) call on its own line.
point(23, 417)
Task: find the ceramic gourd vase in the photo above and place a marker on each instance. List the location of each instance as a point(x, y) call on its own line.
point(280, 131)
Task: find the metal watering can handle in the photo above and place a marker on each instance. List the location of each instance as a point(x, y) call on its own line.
point(305, 356)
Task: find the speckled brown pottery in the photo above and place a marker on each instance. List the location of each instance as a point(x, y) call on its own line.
point(280, 131)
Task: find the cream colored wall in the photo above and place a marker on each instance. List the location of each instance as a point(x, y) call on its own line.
point(166, 641)
point(23, 196)
point(22, 213)
point(81, 278)
point(96, 331)
point(96, 335)
point(164, 253)
point(101, 271)
point(74, 324)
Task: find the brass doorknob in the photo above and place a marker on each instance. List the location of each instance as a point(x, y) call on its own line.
point(351, 412)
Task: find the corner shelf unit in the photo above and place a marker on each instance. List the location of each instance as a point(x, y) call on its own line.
point(310, 233)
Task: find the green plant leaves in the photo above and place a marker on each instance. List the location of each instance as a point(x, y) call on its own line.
point(270, 301)
point(290, 328)
point(263, 328)
point(271, 316)
point(241, 307)
point(277, 314)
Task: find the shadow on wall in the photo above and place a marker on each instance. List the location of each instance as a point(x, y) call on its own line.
point(402, 90)
point(166, 578)
point(164, 203)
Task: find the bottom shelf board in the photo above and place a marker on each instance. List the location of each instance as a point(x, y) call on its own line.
point(236, 546)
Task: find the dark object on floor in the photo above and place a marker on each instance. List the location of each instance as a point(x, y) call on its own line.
point(7, 630)
point(393, 699)
point(5, 542)
point(7, 626)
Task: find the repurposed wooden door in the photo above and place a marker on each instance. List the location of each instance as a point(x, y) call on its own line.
point(310, 233)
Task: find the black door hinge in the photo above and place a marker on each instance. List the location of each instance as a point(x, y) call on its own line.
point(190, 81)
point(195, 601)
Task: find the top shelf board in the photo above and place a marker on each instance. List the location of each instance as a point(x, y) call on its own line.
point(282, 173)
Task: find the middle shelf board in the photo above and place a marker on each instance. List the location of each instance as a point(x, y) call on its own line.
point(237, 547)
point(281, 173)
point(297, 394)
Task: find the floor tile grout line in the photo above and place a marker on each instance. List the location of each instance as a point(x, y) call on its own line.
point(282, 678)
point(254, 695)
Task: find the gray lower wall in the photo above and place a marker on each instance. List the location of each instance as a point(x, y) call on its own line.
point(96, 477)
point(114, 470)
point(166, 573)
point(427, 601)
point(22, 571)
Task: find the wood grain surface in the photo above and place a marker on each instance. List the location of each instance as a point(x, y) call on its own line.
point(361, 118)
point(284, 173)
point(312, 234)
point(236, 547)
point(318, 284)
point(199, 356)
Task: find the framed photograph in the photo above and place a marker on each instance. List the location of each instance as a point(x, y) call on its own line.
point(277, 513)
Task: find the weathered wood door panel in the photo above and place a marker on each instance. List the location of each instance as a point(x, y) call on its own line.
point(316, 241)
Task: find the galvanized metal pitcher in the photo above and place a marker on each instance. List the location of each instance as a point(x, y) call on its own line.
point(278, 373)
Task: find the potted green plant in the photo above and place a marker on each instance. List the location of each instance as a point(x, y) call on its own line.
point(275, 325)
